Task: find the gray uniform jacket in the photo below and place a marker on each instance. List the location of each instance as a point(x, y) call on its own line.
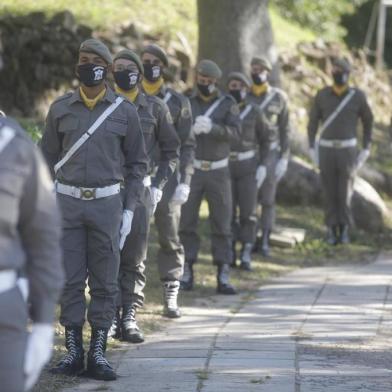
point(162, 143)
point(276, 119)
point(180, 109)
point(116, 145)
point(226, 127)
point(345, 124)
point(30, 225)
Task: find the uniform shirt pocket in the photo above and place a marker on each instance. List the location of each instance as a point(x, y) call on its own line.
point(116, 125)
point(68, 123)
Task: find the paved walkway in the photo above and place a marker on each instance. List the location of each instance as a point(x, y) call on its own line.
point(318, 329)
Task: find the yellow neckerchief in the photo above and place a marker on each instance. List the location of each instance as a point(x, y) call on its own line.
point(90, 103)
point(259, 90)
point(209, 98)
point(130, 94)
point(339, 90)
point(152, 88)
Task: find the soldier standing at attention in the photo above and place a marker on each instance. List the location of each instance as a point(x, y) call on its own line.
point(338, 108)
point(160, 136)
point(273, 104)
point(30, 232)
point(175, 193)
point(216, 125)
point(94, 143)
point(244, 158)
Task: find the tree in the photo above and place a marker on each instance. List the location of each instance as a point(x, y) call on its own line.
point(231, 32)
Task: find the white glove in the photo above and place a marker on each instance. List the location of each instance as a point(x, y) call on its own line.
point(314, 156)
point(156, 196)
point(281, 168)
point(261, 173)
point(362, 158)
point(38, 352)
point(181, 194)
point(126, 226)
point(203, 124)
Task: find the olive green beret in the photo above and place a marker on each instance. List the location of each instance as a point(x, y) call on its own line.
point(130, 55)
point(158, 52)
point(262, 61)
point(93, 45)
point(209, 68)
point(342, 63)
point(239, 76)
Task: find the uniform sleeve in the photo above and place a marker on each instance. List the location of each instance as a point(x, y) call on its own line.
point(230, 130)
point(284, 129)
point(40, 230)
point(169, 145)
point(135, 161)
point(367, 121)
point(314, 119)
point(262, 138)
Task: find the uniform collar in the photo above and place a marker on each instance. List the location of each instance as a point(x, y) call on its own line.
point(195, 94)
point(109, 96)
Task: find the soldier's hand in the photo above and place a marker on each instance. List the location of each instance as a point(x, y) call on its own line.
point(261, 174)
point(314, 156)
point(126, 226)
point(181, 194)
point(281, 168)
point(362, 158)
point(38, 352)
point(203, 124)
point(156, 196)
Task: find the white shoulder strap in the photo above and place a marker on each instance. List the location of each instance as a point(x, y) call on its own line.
point(79, 143)
point(246, 111)
point(214, 106)
point(267, 100)
point(167, 97)
point(6, 135)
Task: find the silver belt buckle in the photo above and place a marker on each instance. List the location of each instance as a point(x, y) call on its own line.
point(205, 165)
point(87, 193)
point(337, 143)
point(234, 155)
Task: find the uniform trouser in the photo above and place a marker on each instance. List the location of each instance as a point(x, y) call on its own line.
point(337, 171)
point(132, 279)
point(167, 220)
point(13, 337)
point(215, 185)
point(91, 250)
point(244, 189)
point(267, 192)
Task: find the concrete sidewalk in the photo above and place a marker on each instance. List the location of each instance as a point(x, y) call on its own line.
point(317, 329)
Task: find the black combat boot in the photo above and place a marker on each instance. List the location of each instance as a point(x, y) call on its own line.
point(97, 365)
point(170, 295)
point(186, 281)
point(223, 284)
point(332, 235)
point(129, 328)
point(265, 251)
point(234, 255)
point(246, 256)
point(343, 234)
point(73, 362)
point(115, 329)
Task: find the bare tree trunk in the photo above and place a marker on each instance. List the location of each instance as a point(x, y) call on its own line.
point(231, 32)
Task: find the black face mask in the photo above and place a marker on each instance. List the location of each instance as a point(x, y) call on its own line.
point(126, 80)
point(340, 78)
point(91, 74)
point(206, 89)
point(259, 78)
point(238, 95)
point(152, 72)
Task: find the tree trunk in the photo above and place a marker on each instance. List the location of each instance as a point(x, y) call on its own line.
point(231, 32)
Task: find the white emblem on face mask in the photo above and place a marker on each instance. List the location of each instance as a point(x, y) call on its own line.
point(211, 88)
point(263, 76)
point(156, 72)
point(98, 73)
point(243, 93)
point(132, 78)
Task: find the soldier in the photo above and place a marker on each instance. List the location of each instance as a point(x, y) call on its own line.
point(274, 161)
point(159, 134)
point(243, 165)
point(338, 108)
point(167, 216)
point(94, 143)
point(216, 124)
point(30, 231)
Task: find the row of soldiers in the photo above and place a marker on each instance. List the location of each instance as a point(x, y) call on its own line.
point(122, 156)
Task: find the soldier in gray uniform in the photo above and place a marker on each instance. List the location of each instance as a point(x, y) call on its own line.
point(30, 231)
point(243, 164)
point(273, 161)
point(167, 215)
point(159, 135)
point(338, 108)
point(96, 217)
point(216, 125)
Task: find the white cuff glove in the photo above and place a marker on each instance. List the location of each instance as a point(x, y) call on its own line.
point(181, 194)
point(203, 124)
point(362, 158)
point(38, 352)
point(281, 168)
point(314, 156)
point(156, 196)
point(126, 226)
point(261, 173)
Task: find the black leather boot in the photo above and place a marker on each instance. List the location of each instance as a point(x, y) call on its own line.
point(129, 328)
point(170, 295)
point(97, 365)
point(115, 329)
point(246, 256)
point(73, 362)
point(186, 281)
point(332, 235)
point(265, 251)
point(224, 286)
point(343, 234)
